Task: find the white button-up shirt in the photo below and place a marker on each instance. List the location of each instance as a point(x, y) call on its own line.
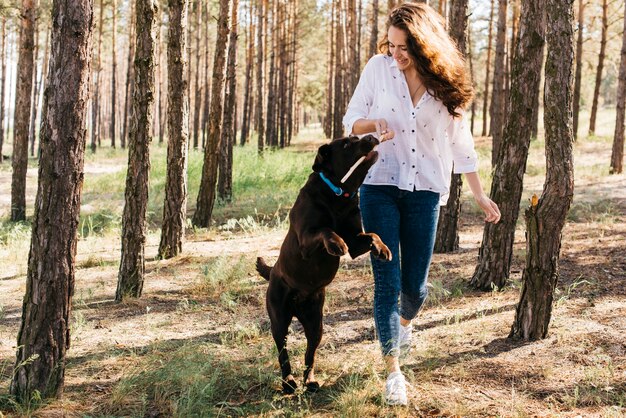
point(427, 138)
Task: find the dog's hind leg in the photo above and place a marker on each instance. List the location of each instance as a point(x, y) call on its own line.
point(310, 315)
point(281, 314)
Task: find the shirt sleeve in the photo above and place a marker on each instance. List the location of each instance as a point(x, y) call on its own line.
point(462, 145)
point(363, 97)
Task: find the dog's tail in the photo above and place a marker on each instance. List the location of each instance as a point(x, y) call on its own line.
point(262, 268)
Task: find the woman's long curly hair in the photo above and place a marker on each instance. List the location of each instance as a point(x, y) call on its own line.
point(439, 63)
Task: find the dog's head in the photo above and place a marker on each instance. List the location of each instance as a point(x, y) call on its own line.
point(336, 158)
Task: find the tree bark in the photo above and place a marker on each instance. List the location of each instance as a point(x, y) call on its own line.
point(206, 195)
point(579, 66)
point(132, 263)
point(197, 108)
point(44, 338)
point(496, 250)
point(175, 204)
point(617, 154)
point(497, 111)
point(247, 86)
point(3, 83)
point(330, 94)
point(340, 70)
point(95, 109)
point(373, 46)
point(259, 78)
point(600, 68)
point(22, 111)
point(447, 238)
point(113, 76)
point(487, 70)
point(130, 76)
point(35, 89)
point(225, 180)
point(545, 221)
point(207, 84)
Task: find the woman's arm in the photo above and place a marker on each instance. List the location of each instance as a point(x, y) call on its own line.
point(491, 210)
point(364, 126)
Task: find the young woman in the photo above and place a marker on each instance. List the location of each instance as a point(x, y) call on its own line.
point(412, 95)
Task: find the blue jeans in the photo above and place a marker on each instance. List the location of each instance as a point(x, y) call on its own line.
point(407, 223)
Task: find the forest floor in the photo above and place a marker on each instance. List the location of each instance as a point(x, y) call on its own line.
point(197, 342)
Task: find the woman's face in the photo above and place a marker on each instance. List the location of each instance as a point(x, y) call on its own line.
point(398, 47)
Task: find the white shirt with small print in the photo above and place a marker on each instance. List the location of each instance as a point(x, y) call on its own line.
point(427, 141)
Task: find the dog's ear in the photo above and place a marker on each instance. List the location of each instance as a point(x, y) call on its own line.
point(322, 157)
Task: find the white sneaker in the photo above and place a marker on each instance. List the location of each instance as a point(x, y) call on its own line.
point(395, 389)
point(405, 338)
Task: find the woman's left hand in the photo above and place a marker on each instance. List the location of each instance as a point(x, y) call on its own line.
point(492, 212)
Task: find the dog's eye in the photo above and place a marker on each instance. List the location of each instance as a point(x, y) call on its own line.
point(346, 144)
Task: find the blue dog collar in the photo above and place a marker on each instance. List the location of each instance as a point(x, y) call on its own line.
point(337, 190)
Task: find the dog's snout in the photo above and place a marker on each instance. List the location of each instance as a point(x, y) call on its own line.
point(371, 139)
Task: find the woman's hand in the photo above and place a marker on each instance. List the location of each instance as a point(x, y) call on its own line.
point(382, 130)
point(492, 212)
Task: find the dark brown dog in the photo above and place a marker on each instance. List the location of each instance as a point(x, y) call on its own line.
point(325, 223)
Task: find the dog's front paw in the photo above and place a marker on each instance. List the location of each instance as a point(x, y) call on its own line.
point(379, 249)
point(289, 385)
point(336, 246)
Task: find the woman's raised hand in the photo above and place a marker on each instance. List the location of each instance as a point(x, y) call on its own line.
point(382, 130)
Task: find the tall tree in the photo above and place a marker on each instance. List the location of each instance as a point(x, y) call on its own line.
point(175, 204)
point(225, 180)
point(132, 264)
point(497, 111)
point(600, 67)
point(340, 70)
point(373, 46)
point(545, 220)
point(130, 76)
point(113, 74)
point(21, 119)
point(44, 335)
point(579, 62)
point(496, 250)
point(329, 120)
point(617, 154)
point(207, 83)
point(247, 85)
point(206, 195)
point(259, 76)
point(95, 101)
point(2, 81)
point(487, 69)
point(33, 99)
point(197, 111)
point(447, 238)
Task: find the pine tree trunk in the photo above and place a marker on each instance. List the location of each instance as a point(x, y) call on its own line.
point(225, 180)
point(113, 132)
point(175, 203)
point(270, 124)
point(545, 221)
point(247, 86)
point(447, 238)
point(3, 82)
point(206, 195)
point(44, 338)
point(41, 86)
point(207, 84)
point(496, 250)
point(197, 110)
point(470, 58)
point(259, 78)
point(497, 111)
point(130, 77)
point(33, 99)
point(132, 264)
point(600, 68)
point(617, 154)
point(340, 71)
point(332, 64)
point(164, 87)
point(579, 64)
point(22, 111)
point(95, 109)
point(373, 46)
point(487, 69)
